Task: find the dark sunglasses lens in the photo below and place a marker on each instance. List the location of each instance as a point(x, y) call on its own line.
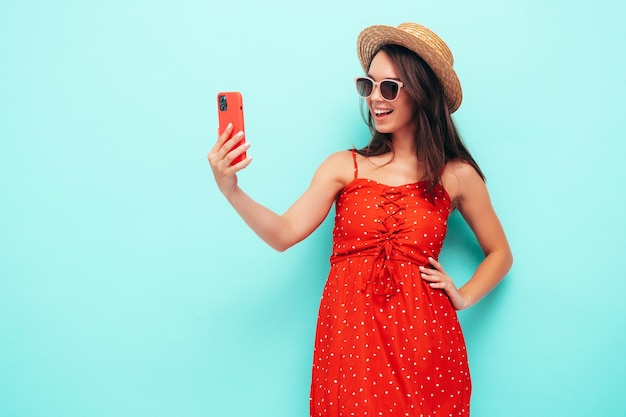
point(389, 90)
point(364, 87)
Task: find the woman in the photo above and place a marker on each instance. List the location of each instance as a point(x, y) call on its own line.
point(388, 342)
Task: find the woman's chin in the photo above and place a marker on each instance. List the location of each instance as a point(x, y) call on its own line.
point(383, 128)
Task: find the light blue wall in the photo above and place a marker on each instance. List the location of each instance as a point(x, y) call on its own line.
point(129, 288)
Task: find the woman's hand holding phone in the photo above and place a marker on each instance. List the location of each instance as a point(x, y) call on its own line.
point(228, 156)
point(227, 149)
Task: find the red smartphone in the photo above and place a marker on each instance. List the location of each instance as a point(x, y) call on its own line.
point(230, 110)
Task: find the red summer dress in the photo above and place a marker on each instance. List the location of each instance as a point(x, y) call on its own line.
point(386, 343)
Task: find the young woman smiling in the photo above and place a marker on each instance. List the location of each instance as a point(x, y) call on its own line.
point(388, 341)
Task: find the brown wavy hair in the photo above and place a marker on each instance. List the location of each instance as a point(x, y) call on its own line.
point(436, 138)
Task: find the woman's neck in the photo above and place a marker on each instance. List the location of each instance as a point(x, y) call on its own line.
point(403, 145)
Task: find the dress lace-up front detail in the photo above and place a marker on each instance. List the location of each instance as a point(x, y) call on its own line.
point(391, 223)
point(386, 343)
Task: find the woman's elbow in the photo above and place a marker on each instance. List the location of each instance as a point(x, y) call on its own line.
point(281, 245)
point(507, 261)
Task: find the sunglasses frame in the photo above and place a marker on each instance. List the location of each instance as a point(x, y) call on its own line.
point(375, 84)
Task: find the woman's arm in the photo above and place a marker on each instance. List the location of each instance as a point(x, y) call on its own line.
point(470, 196)
point(302, 218)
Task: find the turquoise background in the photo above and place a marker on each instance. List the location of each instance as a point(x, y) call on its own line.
point(129, 287)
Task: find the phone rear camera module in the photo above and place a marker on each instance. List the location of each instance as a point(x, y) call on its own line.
point(223, 103)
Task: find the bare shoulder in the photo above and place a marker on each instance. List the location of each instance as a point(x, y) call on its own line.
point(341, 157)
point(338, 167)
point(460, 179)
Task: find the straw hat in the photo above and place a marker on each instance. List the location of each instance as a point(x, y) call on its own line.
point(424, 43)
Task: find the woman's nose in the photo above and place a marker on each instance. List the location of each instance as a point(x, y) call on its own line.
point(376, 96)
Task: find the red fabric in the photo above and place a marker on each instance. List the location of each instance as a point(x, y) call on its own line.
point(386, 343)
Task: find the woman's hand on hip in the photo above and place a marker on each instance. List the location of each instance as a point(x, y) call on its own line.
point(438, 279)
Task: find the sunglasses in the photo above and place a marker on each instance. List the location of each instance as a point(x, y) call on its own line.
point(389, 89)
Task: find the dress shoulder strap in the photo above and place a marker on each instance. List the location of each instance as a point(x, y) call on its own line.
point(356, 167)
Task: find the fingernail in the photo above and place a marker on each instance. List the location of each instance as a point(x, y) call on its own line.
point(229, 126)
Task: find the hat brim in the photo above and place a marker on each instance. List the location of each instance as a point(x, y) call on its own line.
point(423, 44)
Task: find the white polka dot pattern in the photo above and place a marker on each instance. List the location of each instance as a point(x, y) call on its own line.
point(386, 343)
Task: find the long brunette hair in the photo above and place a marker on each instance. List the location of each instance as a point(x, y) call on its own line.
point(436, 138)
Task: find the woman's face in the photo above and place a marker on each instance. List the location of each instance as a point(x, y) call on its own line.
point(395, 117)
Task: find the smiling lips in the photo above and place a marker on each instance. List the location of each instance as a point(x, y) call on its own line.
point(379, 113)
